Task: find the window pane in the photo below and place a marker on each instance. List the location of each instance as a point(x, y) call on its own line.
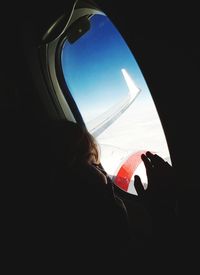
point(114, 100)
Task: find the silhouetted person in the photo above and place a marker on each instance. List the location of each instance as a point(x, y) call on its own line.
point(76, 214)
point(69, 211)
point(82, 191)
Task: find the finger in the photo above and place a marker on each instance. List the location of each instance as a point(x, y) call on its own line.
point(147, 163)
point(138, 186)
point(156, 160)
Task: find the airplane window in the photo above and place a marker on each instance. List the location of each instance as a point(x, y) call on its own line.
point(113, 98)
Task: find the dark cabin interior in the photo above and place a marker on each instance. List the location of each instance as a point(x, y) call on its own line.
point(165, 40)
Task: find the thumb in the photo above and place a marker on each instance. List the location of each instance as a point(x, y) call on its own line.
point(138, 186)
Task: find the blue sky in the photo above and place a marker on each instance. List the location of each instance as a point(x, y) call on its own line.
point(92, 68)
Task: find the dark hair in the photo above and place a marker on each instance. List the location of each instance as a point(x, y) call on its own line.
point(70, 143)
point(88, 148)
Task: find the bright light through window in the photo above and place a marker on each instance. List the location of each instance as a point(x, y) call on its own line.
point(114, 101)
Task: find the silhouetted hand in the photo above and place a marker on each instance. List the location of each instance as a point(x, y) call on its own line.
point(160, 195)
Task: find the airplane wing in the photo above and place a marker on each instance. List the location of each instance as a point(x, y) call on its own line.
point(99, 124)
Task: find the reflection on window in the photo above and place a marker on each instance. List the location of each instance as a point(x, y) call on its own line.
point(114, 100)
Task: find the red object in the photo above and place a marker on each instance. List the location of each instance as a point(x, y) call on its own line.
point(127, 170)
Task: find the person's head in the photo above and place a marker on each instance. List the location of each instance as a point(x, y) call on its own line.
point(70, 144)
point(87, 149)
